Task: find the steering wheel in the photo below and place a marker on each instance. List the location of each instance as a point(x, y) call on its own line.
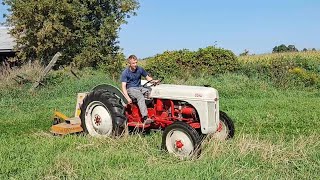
point(145, 84)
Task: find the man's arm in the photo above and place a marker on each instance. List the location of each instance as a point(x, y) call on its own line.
point(148, 78)
point(145, 74)
point(125, 92)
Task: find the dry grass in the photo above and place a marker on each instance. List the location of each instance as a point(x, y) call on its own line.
point(280, 151)
point(26, 73)
point(62, 167)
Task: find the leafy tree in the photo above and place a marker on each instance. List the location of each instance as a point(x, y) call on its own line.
point(304, 49)
point(284, 48)
point(313, 49)
point(281, 48)
point(85, 31)
point(292, 48)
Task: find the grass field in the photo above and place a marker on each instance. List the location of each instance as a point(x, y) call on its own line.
point(277, 136)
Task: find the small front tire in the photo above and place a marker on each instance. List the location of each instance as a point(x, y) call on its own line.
point(225, 129)
point(181, 140)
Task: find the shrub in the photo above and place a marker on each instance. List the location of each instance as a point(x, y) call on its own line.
point(114, 67)
point(308, 78)
point(185, 63)
point(216, 60)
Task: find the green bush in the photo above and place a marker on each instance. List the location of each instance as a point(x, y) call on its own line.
point(308, 78)
point(215, 60)
point(185, 63)
point(114, 66)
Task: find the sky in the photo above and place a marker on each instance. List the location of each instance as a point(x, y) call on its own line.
point(254, 25)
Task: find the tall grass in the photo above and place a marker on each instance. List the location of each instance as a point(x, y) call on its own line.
point(296, 69)
point(277, 135)
point(24, 74)
point(310, 55)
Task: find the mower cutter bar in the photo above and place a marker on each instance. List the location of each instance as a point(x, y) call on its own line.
point(65, 124)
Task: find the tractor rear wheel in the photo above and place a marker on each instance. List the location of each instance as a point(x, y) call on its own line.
point(225, 129)
point(102, 114)
point(181, 139)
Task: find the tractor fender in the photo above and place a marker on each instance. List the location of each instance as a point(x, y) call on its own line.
point(112, 89)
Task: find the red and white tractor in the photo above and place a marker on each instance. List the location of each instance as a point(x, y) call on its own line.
point(186, 114)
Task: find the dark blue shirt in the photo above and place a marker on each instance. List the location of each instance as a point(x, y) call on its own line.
point(133, 78)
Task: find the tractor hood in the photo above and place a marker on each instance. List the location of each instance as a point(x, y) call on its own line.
point(182, 92)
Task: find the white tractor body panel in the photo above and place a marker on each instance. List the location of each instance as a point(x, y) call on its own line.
point(204, 99)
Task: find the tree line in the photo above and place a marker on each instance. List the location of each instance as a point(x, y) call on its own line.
point(289, 48)
point(281, 48)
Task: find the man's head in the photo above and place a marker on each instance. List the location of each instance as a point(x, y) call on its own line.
point(133, 62)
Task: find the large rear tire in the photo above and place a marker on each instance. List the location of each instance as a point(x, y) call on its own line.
point(181, 139)
point(102, 114)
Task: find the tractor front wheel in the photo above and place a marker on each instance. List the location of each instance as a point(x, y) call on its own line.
point(102, 114)
point(225, 129)
point(181, 139)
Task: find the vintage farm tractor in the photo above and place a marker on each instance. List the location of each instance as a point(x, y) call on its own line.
point(186, 114)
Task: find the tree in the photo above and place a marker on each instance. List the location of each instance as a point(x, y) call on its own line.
point(245, 53)
point(281, 48)
point(284, 48)
point(304, 49)
point(292, 48)
point(313, 49)
point(85, 31)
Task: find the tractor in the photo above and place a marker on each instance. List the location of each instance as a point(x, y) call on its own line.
point(184, 114)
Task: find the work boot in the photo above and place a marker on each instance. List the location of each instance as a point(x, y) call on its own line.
point(147, 120)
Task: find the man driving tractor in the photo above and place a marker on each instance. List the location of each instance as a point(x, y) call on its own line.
point(132, 88)
point(186, 114)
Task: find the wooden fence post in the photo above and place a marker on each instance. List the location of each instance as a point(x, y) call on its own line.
point(46, 71)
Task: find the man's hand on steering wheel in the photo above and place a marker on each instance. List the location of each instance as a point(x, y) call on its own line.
point(153, 82)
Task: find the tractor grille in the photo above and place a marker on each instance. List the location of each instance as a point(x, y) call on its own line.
point(213, 114)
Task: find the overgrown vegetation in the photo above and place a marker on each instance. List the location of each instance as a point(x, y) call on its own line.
point(277, 133)
point(27, 73)
point(282, 69)
point(277, 128)
point(301, 69)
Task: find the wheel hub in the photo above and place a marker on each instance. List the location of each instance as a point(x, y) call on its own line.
point(220, 126)
point(97, 120)
point(222, 131)
point(179, 144)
